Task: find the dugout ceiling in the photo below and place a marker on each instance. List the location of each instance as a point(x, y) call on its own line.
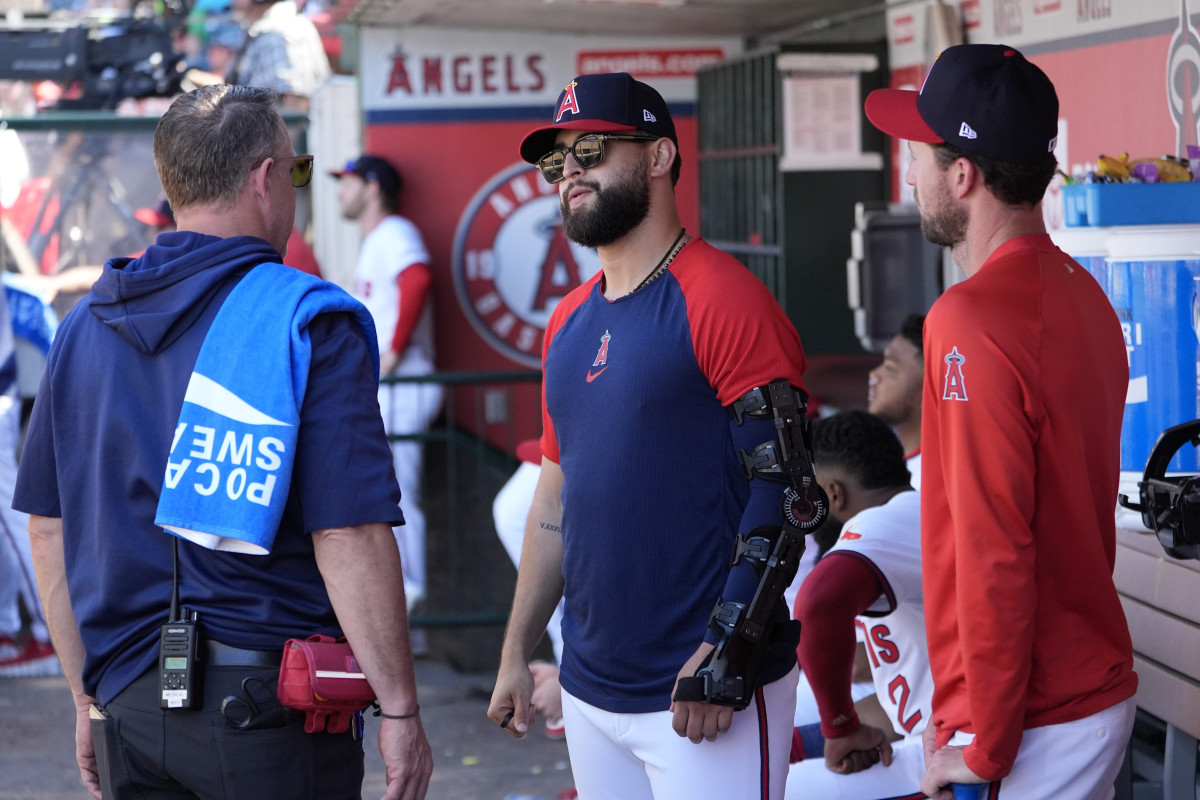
point(760, 22)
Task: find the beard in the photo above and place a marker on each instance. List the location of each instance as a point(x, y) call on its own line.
point(352, 209)
point(943, 222)
point(615, 210)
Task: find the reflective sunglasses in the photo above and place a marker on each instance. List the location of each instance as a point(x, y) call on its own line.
point(302, 169)
point(588, 152)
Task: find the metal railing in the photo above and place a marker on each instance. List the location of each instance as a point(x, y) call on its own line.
point(468, 456)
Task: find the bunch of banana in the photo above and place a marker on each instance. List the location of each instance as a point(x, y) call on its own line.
point(1114, 169)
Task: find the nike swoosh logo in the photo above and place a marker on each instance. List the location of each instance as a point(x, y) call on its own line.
point(592, 376)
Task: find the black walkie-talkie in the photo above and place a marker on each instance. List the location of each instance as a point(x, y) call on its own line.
point(179, 663)
point(180, 653)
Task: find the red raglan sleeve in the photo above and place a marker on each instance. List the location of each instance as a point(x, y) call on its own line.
point(740, 334)
point(549, 442)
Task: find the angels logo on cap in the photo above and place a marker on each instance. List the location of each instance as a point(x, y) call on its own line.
point(568, 103)
point(603, 103)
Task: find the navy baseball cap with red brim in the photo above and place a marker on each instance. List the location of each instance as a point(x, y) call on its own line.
point(372, 169)
point(605, 103)
point(896, 110)
point(985, 99)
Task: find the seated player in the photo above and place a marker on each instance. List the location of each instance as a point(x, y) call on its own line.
point(894, 389)
point(870, 580)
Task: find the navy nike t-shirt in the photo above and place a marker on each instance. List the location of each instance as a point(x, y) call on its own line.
point(653, 494)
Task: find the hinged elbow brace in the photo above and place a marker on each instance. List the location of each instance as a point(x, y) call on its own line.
point(789, 459)
point(745, 633)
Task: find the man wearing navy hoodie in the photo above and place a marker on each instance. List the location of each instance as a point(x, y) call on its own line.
point(108, 439)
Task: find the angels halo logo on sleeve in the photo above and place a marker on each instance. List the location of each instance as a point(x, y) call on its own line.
point(512, 263)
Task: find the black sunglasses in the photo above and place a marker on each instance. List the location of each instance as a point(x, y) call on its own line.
point(588, 152)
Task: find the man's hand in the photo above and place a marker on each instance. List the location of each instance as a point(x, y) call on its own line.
point(864, 748)
point(547, 692)
point(407, 758)
point(512, 700)
point(946, 766)
point(929, 743)
point(693, 719)
point(85, 747)
point(388, 360)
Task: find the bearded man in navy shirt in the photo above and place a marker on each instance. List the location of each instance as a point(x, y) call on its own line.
point(641, 495)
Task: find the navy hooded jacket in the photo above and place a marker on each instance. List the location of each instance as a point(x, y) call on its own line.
point(101, 434)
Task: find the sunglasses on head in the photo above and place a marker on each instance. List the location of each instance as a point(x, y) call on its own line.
point(588, 152)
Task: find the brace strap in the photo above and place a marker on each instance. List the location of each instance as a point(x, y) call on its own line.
point(753, 547)
point(762, 461)
point(752, 404)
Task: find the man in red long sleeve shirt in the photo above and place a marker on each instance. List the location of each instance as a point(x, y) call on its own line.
point(1025, 384)
point(393, 281)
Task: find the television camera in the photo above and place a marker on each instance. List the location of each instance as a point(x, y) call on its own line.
point(111, 60)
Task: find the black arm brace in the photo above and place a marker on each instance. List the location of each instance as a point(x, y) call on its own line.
point(745, 633)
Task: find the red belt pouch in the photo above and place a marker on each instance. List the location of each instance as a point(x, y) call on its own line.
point(321, 677)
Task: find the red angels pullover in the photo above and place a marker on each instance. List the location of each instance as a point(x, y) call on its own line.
point(1025, 381)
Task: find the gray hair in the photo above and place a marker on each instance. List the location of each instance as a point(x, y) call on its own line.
point(210, 138)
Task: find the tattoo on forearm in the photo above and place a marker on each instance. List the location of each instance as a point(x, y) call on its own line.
point(549, 526)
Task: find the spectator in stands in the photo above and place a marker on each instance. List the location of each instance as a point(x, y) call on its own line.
point(24, 652)
point(223, 45)
point(282, 50)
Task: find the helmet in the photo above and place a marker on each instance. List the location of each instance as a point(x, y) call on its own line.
point(1171, 506)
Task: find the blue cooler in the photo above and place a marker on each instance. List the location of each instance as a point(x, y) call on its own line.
point(1088, 247)
point(1152, 282)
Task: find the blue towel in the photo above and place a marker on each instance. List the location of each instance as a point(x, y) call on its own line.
point(32, 317)
point(230, 466)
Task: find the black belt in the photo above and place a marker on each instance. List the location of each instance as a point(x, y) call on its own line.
point(223, 655)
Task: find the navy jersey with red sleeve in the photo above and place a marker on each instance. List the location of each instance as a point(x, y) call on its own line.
point(635, 396)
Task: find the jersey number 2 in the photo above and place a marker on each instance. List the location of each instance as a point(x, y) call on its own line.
point(900, 683)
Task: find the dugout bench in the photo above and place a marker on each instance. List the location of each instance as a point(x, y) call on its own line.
point(1161, 597)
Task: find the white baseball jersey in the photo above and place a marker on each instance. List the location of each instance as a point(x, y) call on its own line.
point(888, 537)
point(913, 463)
point(391, 247)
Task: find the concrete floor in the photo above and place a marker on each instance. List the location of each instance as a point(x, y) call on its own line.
point(472, 759)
